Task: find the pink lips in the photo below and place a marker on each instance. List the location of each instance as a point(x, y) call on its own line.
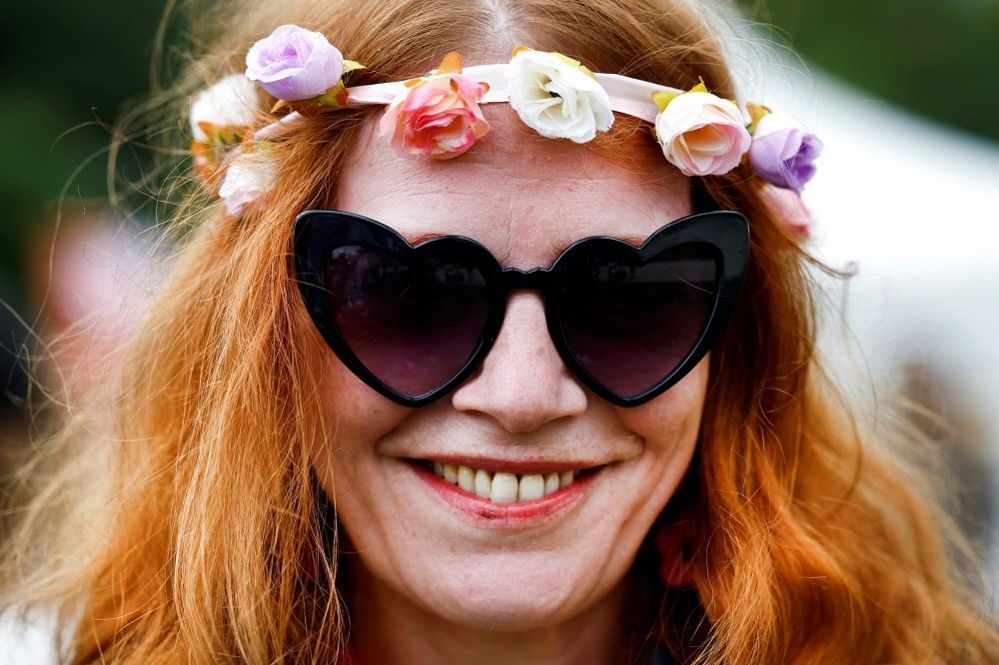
point(524, 513)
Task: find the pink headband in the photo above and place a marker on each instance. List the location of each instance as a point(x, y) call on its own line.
point(438, 115)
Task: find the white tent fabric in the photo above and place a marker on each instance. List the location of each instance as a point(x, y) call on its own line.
point(27, 639)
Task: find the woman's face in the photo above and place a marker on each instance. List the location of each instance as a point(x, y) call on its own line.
point(423, 540)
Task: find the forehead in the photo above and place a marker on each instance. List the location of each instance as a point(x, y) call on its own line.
point(524, 197)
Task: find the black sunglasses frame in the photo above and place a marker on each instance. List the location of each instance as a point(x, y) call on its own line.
point(318, 231)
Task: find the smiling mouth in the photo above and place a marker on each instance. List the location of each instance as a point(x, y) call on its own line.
point(504, 487)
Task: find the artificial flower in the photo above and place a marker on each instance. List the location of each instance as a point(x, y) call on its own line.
point(293, 63)
point(783, 153)
point(437, 116)
point(220, 117)
point(701, 133)
point(249, 179)
point(788, 208)
point(558, 97)
point(230, 104)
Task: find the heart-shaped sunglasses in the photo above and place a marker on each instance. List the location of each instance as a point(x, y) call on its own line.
point(413, 322)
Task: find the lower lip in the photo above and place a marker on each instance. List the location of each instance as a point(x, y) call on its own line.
point(523, 513)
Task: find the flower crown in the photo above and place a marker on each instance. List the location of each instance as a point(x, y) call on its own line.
point(438, 115)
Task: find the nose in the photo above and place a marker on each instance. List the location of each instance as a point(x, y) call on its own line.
point(523, 382)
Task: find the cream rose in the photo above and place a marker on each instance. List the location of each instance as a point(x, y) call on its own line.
point(249, 178)
point(557, 97)
point(229, 103)
point(702, 134)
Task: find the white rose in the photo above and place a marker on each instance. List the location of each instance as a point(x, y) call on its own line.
point(249, 178)
point(702, 134)
point(232, 102)
point(557, 98)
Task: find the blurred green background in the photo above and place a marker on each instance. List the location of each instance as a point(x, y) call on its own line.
point(939, 58)
point(65, 70)
point(67, 67)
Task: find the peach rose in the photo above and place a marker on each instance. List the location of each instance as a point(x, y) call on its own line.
point(702, 134)
point(437, 116)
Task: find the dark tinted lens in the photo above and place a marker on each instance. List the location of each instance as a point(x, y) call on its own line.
point(412, 321)
point(630, 322)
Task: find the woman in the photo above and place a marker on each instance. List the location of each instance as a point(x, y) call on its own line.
point(328, 446)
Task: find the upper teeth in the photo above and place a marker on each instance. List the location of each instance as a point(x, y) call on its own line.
point(503, 487)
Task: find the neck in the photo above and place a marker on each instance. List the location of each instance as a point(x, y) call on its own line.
point(388, 628)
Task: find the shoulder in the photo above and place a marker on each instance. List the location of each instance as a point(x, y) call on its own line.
point(27, 637)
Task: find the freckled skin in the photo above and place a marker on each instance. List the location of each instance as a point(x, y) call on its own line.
point(442, 588)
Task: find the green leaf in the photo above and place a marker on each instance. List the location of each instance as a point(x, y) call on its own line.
point(350, 65)
point(662, 98)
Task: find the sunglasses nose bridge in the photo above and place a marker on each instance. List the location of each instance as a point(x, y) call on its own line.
point(514, 279)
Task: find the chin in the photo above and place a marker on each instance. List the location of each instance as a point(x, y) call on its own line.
point(511, 592)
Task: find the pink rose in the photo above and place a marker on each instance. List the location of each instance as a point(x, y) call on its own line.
point(702, 134)
point(437, 116)
point(788, 208)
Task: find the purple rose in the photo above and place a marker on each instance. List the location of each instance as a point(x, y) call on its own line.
point(782, 153)
point(294, 63)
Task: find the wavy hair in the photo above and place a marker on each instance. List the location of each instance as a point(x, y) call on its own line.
point(813, 542)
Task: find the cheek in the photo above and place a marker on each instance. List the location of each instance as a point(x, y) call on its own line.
point(670, 423)
point(668, 426)
point(353, 418)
